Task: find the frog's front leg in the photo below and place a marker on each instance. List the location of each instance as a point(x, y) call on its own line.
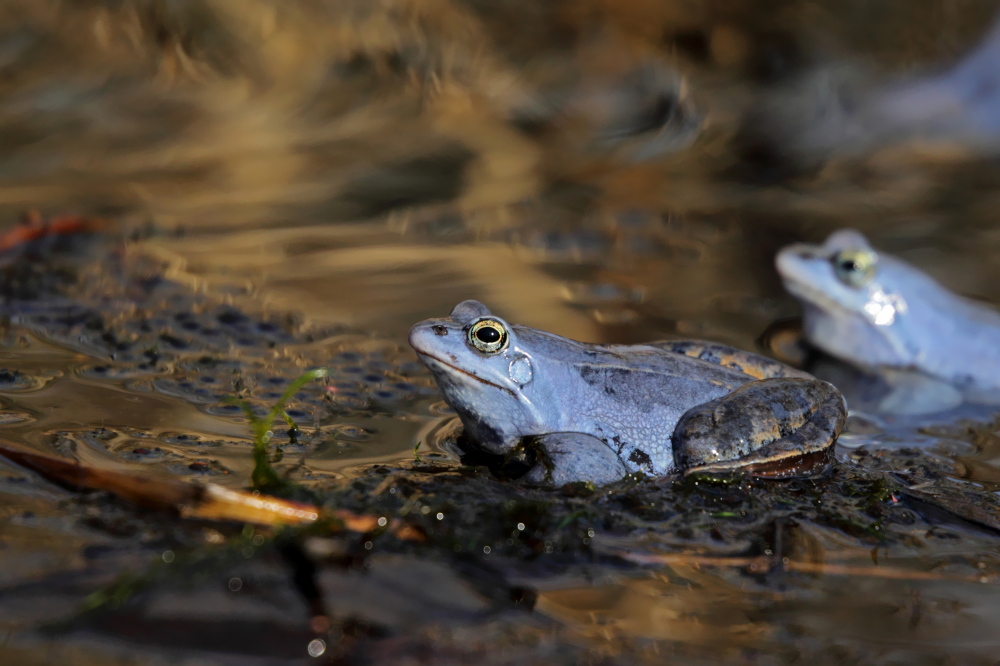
point(759, 427)
point(565, 457)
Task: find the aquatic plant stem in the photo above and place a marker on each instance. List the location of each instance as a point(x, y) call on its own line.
point(264, 477)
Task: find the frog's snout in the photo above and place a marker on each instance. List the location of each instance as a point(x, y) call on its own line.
point(416, 336)
point(426, 335)
point(793, 261)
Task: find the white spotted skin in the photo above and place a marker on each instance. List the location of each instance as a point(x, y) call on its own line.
point(630, 397)
point(926, 328)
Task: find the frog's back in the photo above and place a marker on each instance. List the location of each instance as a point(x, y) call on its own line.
point(957, 339)
point(631, 396)
point(650, 380)
point(694, 361)
point(754, 365)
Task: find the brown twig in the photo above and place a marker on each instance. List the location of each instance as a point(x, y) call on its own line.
point(205, 501)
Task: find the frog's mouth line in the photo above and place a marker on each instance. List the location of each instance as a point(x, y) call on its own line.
point(814, 296)
point(796, 276)
point(464, 372)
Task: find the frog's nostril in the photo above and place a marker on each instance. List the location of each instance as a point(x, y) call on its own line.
point(439, 330)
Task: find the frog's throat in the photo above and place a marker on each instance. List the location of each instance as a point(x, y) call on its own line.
point(904, 348)
point(468, 374)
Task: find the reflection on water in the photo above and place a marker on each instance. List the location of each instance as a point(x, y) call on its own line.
point(701, 611)
point(893, 603)
point(625, 278)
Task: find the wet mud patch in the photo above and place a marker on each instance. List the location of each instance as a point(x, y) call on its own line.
point(751, 549)
point(688, 569)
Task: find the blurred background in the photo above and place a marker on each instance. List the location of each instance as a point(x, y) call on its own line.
point(581, 166)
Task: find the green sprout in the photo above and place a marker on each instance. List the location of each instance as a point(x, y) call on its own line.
point(264, 477)
point(116, 593)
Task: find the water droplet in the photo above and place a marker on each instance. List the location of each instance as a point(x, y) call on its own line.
point(316, 648)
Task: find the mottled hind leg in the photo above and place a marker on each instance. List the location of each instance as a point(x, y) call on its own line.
point(761, 427)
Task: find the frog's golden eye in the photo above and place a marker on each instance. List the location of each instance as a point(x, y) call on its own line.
point(488, 336)
point(855, 268)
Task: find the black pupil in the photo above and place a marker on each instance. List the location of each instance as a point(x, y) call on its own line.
point(488, 335)
point(849, 265)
